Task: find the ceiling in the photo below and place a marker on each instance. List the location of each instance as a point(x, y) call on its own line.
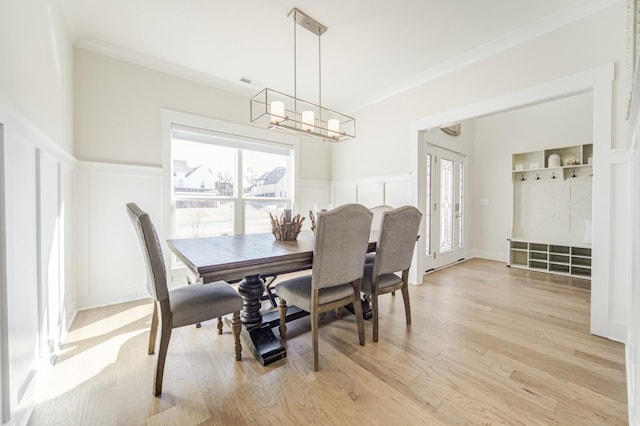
point(371, 50)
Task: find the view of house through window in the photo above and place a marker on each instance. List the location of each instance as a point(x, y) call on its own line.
point(223, 187)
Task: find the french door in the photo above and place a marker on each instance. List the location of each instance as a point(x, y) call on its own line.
point(445, 186)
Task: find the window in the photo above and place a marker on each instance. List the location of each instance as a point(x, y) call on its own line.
point(226, 184)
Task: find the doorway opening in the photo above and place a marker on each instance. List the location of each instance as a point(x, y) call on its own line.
point(599, 82)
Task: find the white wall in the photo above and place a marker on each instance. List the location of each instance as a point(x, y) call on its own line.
point(558, 123)
point(632, 347)
point(36, 75)
point(36, 192)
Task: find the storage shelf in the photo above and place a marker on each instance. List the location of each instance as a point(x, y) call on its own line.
point(535, 165)
point(551, 258)
point(541, 169)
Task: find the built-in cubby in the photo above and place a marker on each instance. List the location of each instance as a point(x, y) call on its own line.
point(556, 259)
point(552, 210)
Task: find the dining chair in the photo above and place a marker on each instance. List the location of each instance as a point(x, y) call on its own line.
point(191, 304)
point(376, 224)
point(394, 250)
point(340, 244)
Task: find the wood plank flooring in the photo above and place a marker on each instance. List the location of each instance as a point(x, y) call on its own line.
point(488, 345)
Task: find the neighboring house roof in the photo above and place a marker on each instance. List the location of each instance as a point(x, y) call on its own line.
point(180, 166)
point(263, 176)
point(275, 175)
point(192, 171)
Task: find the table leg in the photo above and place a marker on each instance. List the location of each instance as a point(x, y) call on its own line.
point(367, 312)
point(258, 335)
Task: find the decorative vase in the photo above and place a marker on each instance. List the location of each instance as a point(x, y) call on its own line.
point(554, 161)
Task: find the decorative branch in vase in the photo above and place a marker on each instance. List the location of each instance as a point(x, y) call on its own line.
point(285, 227)
point(313, 220)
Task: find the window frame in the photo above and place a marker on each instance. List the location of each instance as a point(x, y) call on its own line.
point(207, 129)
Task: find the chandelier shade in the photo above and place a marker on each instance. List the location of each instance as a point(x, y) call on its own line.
point(276, 110)
point(279, 111)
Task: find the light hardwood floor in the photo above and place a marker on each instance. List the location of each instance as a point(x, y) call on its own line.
point(488, 345)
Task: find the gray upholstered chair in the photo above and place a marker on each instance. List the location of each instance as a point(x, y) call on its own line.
point(376, 224)
point(187, 305)
point(341, 240)
point(394, 250)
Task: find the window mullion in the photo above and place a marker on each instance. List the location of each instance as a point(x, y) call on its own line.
point(239, 202)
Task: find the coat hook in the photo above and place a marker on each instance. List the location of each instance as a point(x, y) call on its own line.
point(574, 174)
point(553, 175)
point(521, 177)
point(537, 176)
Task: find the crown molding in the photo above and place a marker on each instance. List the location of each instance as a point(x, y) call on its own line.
point(166, 67)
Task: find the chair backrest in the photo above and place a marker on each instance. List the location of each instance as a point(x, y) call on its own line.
point(340, 245)
point(152, 252)
point(396, 240)
point(377, 211)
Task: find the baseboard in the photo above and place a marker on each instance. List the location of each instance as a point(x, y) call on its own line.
point(490, 255)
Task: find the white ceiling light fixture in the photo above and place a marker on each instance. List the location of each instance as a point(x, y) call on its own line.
point(277, 110)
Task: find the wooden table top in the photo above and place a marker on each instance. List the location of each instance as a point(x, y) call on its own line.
point(232, 257)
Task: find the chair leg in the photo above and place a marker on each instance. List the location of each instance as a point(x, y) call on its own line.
point(153, 330)
point(407, 303)
point(282, 309)
point(374, 305)
point(165, 335)
point(236, 327)
point(314, 339)
point(357, 307)
point(219, 325)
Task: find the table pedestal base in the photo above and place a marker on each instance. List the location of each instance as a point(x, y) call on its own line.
point(264, 345)
point(261, 340)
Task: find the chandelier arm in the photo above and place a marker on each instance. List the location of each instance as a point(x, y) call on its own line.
point(320, 76)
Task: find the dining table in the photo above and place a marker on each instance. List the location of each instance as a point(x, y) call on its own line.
point(248, 259)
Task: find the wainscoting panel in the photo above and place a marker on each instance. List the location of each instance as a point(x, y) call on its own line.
point(344, 193)
point(370, 194)
point(398, 193)
point(37, 298)
point(111, 266)
point(393, 191)
point(20, 204)
point(49, 252)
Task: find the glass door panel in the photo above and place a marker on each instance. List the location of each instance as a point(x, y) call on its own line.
point(446, 205)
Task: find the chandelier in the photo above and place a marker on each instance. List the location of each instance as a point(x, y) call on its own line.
point(277, 110)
